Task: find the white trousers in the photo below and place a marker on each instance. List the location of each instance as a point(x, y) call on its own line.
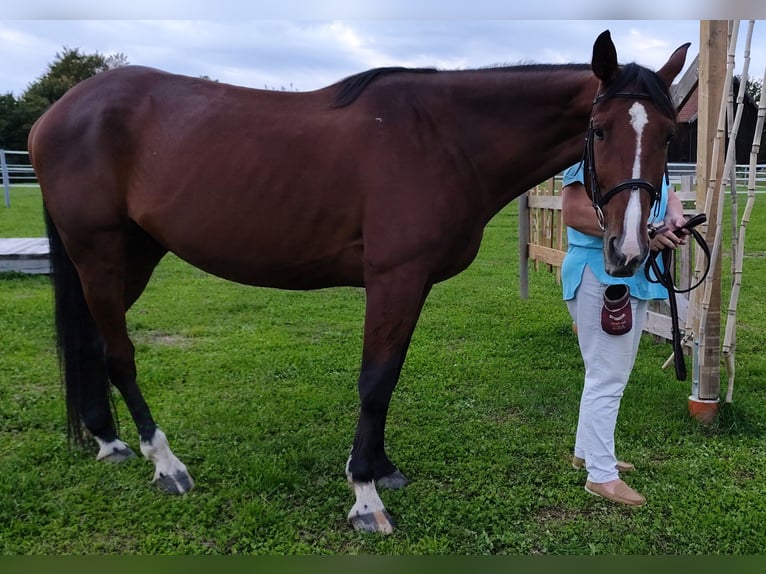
point(608, 362)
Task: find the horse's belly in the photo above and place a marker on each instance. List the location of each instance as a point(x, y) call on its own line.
point(266, 243)
point(267, 267)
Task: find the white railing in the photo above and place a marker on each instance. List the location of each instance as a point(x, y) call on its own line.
point(15, 169)
point(677, 170)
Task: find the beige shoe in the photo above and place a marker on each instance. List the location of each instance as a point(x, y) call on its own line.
point(579, 464)
point(622, 493)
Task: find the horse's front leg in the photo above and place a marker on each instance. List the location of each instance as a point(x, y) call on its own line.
point(394, 302)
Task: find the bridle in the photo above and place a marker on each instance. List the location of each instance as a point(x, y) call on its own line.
point(662, 273)
point(599, 200)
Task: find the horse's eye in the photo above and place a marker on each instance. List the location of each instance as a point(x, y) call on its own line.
point(599, 133)
point(669, 138)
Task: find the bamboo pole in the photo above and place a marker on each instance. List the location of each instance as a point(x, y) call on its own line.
point(734, 124)
point(728, 166)
point(729, 344)
point(732, 174)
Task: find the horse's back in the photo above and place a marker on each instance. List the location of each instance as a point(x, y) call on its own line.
point(256, 186)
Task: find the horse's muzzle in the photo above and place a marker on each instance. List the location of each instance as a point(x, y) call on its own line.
point(617, 264)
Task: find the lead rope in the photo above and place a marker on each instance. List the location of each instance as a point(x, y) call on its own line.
point(665, 278)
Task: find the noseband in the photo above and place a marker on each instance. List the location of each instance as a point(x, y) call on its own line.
point(599, 200)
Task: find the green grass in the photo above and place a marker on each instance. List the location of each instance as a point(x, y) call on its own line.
point(256, 390)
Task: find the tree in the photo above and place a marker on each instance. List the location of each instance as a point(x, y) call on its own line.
point(70, 67)
point(755, 89)
point(8, 107)
point(14, 123)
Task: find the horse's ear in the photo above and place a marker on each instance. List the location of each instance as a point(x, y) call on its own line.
point(604, 61)
point(673, 66)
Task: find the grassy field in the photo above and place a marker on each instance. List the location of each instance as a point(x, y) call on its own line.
point(256, 390)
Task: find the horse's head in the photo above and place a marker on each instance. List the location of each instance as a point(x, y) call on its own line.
point(632, 122)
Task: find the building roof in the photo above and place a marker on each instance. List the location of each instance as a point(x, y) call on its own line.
point(688, 113)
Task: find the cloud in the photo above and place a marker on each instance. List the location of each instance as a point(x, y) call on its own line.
point(310, 54)
point(383, 9)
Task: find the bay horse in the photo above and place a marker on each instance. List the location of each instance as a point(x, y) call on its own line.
point(384, 180)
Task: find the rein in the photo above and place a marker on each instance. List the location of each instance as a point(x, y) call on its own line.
point(597, 198)
point(665, 278)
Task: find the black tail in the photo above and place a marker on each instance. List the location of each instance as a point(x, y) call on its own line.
point(80, 347)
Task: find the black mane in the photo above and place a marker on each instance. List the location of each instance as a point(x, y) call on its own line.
point(644, 80)
point(351, 87)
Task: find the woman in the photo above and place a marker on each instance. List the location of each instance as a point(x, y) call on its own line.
point(608, 329)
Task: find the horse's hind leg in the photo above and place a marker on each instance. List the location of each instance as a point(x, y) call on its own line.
point(94, 403)
point(112, 278)
point(142, 255)
point(81, 350)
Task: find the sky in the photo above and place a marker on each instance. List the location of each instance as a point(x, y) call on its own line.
point(308, 44)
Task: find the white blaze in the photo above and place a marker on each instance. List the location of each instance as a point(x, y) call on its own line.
point(630, 223)
point(638, 119)
point(632, 219)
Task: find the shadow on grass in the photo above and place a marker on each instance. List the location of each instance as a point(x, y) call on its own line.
point(734, 420)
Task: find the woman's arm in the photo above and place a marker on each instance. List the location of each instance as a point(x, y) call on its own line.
point(577, 210)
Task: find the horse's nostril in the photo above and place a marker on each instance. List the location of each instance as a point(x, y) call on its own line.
point(615, 254)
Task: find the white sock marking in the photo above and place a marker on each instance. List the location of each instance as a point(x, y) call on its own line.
point(165, 462)
point(367, 500)
point(106, 449)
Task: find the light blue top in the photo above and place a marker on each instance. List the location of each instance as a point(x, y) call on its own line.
point(588, 250)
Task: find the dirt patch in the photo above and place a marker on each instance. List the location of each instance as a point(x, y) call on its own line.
point(164, 339)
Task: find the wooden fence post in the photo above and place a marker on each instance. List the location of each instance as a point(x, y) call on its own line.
point(523, 246)
point(712, 73)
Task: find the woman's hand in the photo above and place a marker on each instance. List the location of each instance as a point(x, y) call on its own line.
point(673, 234)
point(668, 238)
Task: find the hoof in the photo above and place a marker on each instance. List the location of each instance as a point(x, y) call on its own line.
point(113, 451)
point(178, 483)
point(380, 521)
point(118, 455)
point(393, 481)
